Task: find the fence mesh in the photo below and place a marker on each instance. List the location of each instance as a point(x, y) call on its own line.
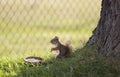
point(27, 26)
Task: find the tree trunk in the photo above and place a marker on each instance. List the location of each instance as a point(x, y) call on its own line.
point(107, 33)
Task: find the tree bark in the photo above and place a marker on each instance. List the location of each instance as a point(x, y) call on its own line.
point(106, 35)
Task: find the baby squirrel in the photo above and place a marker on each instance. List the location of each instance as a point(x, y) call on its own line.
point(61, 50)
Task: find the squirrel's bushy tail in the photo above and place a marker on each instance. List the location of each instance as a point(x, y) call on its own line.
point(69, 45)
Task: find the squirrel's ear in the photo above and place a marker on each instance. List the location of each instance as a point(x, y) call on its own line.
point(56, 37)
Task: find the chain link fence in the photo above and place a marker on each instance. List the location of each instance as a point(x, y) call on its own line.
point(27, 26)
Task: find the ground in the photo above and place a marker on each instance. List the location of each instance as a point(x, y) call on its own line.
point(84, 62)
point(23, 35)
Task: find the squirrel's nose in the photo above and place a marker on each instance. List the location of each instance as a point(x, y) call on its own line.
point(51, 41)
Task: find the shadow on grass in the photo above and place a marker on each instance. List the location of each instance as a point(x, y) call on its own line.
point(84, 62)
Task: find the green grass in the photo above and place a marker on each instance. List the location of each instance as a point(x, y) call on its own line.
point(26, 30)
point(84, 62)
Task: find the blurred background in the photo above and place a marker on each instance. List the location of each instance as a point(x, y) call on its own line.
point(27, 26)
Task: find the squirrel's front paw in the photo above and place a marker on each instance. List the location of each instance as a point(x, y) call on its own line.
point(51, 49)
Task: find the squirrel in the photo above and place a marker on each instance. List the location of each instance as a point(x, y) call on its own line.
point(61, 50)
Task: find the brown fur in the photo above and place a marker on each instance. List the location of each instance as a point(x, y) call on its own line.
point(65, 50)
